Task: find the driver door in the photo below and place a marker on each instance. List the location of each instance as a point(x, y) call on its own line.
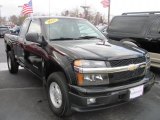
point(33, 50)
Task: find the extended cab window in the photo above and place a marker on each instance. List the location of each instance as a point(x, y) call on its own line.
point(35, 27)
point(24, 28)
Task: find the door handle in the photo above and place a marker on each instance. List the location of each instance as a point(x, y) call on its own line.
point(25, 44)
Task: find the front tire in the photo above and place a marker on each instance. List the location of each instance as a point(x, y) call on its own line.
point(58, 97)
point(12, 63)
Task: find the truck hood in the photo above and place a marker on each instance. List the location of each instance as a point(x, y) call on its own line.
point(94, 49)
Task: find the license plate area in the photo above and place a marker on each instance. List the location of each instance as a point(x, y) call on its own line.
point(136, 92)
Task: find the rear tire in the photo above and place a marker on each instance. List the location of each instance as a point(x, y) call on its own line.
point(12, 63)
point(57, 92)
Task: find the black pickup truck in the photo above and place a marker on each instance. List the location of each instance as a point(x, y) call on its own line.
point(80, 69)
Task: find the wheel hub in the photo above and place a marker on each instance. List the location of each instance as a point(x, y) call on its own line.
point(9, 62)
point(55, 95)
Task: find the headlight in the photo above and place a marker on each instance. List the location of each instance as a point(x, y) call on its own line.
point(90, 79)
point(89, 64)
point(148, 60)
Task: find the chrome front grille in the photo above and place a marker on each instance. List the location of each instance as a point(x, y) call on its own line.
point(125, 76)
point(125, 62)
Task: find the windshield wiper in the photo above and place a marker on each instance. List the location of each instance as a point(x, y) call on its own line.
point(79, 38)
point(62, 38)
point(90, 37)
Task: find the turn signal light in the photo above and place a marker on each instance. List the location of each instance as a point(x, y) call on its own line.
point(80, 78)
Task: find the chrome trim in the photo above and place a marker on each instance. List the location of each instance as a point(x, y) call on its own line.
point(130, 67)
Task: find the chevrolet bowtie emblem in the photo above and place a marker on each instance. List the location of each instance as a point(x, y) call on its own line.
point(132, 67)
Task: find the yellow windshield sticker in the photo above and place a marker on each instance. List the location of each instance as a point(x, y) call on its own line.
point(51, 21)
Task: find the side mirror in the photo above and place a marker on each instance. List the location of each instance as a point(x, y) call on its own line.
point(33, 37)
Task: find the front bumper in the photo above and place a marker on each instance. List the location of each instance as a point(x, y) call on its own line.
point(105, 97)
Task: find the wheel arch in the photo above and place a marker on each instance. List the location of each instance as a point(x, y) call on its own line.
point(53, 66)
point(130, 41)
point(8, 48)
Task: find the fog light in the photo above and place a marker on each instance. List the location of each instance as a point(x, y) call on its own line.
point(91, 100)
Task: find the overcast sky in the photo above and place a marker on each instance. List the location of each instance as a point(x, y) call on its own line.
point(10, 7)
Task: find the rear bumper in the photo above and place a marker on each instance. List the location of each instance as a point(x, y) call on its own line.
point(105, 97)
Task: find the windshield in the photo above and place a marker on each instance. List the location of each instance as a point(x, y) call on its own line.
point(70, 28)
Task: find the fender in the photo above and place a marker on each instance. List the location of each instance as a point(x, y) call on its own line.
point(130, 42)
point(60, 62)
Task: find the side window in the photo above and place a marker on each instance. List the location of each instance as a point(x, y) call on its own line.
point(24, 28)
point(35, 27)
point(155, 27)
point(158, 29)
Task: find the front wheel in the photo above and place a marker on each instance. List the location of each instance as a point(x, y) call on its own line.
point(58, 94)
point(12, 63)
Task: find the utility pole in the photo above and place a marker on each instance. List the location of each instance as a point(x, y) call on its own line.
point(19, 21)
point(107, 4)
point(109, 11)
point(20, 6)
point(85, 8)
point(0, 14)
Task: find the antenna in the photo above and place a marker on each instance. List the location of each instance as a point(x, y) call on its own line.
point(49, 17)
point(49, 8)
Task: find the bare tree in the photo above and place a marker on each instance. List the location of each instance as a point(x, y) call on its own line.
point(75, 12)
point(13, 19)
point(94, 17)
point(21, 19)
point(3, 20)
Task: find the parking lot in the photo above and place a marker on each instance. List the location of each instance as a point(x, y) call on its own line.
point(22, 98)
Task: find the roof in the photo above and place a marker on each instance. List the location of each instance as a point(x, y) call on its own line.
point(143, 13)
point(3, 27)
point(60, 17)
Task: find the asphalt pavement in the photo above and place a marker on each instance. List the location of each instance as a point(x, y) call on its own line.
point(22, 98)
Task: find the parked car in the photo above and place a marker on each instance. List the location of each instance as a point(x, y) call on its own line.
point(138, 28)
point(9, 26)
point(15, 30)
point(81, 70)
point(3, 31)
